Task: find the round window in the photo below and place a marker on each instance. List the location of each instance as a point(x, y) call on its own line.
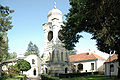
point(50, 35)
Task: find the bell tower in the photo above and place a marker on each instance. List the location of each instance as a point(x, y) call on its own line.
point(55, 55)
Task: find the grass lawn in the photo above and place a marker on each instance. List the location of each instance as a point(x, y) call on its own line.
point(16, 77)
point(12, 79)
point(92, 77)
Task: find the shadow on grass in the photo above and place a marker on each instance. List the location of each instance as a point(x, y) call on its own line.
point(92, 77)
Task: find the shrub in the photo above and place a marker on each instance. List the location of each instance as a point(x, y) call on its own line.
point(13, 70)
point(70, 75)
point(4, 75)
point(48, 77)
point(21, 77)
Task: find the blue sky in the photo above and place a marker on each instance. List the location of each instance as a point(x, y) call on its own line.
point(27, 20)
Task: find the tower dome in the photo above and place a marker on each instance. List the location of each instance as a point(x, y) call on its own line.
point(54, 11)
point(54, 14)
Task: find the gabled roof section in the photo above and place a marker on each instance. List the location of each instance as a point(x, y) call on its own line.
point(114, 57)
point(84, 57)
point(14, 60)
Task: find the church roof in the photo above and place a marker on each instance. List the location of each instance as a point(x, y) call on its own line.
point(84, 57)
point(114, 57)
point(14, 60)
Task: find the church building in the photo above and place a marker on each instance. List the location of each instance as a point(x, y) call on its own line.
point(56, 58)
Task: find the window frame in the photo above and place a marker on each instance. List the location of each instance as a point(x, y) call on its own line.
point(33, 61)
point(92, 66)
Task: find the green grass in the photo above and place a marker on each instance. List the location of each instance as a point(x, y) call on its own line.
point(92, 77)
point(12, 79)
point(16, 77)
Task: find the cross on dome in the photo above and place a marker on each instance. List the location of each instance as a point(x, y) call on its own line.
point(54, 5)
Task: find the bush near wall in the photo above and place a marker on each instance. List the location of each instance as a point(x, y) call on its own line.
point(48, 77)
point(70, 75)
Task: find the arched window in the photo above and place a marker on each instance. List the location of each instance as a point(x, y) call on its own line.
point(61, 56)
point(34, 72)
point(73, 68)
point(60, 35)
point(80, 67)
point(112, 68)
point(46, 70)
point(50, 35)
point(66, 70)
point(53, 54)
point(50, 55)
point(33, 61)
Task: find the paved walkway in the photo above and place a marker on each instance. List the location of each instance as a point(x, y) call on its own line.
point(34, 78)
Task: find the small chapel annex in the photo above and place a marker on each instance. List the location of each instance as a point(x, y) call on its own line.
point(34, 61)
point(87, 62)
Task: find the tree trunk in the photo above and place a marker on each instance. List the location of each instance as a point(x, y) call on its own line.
point(22, 72)
point(118, 65)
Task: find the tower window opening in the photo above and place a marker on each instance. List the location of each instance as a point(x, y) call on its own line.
point(61, 56)
point(33, 61)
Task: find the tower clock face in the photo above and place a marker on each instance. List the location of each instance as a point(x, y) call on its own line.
point(50, 35)
point(60, 35)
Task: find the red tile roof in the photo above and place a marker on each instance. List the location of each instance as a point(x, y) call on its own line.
point(84, 56)
point(112, 58)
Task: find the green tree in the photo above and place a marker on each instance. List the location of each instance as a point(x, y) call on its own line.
point(32, 49)
point(3, 47)
point(5, 19)
point(72, 52)
point(13, 70)
point(11, 55)
point(5, 25)
point(23, 65)
point(97, 17)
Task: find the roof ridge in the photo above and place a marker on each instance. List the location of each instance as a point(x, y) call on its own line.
point(93, 55)
point(112, 58)
point(96, 56)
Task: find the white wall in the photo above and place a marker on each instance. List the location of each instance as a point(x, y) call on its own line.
point(87, 65)
point(30, 73)
point(100, 65)
point(107, 68)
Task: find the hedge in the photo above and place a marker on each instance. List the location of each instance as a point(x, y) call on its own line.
point(48, 77)
point(71, 75)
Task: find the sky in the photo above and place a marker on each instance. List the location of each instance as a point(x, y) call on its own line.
point(27, 23)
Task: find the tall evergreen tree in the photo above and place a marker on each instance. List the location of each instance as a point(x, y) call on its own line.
point(3, 47)
point(36, 49)
point(101, 18)
point(5, 25)
point(72, 52)
point(5, 19)
point(11, 55)
point(32, 49)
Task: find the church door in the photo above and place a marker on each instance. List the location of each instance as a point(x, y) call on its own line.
point(46, 70)
point(66, 69)
point(34, 72)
